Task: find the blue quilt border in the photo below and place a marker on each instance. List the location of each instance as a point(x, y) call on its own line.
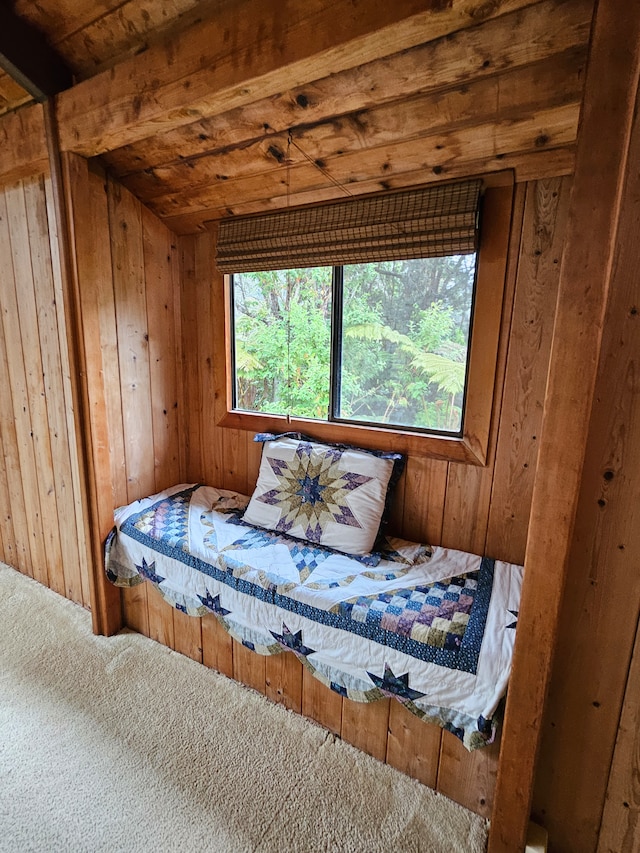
point(464, 659)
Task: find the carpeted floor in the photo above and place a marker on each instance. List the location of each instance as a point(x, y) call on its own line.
point(119, 744)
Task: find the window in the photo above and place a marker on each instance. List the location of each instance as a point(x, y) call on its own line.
point(394, 353)
point(382, 343)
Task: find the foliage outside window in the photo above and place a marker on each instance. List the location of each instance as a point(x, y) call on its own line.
point(424, 338)
point(382, 343)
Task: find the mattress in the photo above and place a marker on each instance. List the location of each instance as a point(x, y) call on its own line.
point(431, 627)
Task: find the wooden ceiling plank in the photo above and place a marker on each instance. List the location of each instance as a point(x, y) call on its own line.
point(521, 166)
point(549, 128)
point(12, 95)
point(27, 57)
point(510, 96)
point(249, 50)
point(60, 18)
point(521, 38)
point(128, 29)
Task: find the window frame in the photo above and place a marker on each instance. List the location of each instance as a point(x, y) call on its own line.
point(472, 446)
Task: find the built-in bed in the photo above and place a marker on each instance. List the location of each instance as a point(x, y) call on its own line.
point(428, 626)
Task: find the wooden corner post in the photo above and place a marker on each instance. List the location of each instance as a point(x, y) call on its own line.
point(601, 166)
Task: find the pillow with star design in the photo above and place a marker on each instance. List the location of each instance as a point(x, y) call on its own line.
point(331, 495)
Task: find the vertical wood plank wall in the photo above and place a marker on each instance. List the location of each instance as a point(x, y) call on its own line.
point(601, 607)
point(478, 509)
point(42, 526)
point(126, 264)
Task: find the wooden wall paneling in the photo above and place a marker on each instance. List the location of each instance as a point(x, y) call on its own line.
point(395, 511)
point(26, 265)
point(585, 284)
point(16, 531)
point(231, 469)
point(159, 619)
point(160, 615)
point(527, 366)
point(249, 667)
point(129, 285)
point(133, 358)
point(13, 554)
point(468, 491)
point(188, 634)
point(620, 828)
point(469, 778)
point(178, 308)
point(162, 321)
point(425, 486)
point(54, 359)
point(234, 474)
point(31, 273)
point(25, 456)
point(217, 646)
point(465, 527)
point(206, 300)
point(8, 548)
point(93, 320)
point(64, 303)
point(254, 456)
point(600, 610)
point(365, 725)
point(413, 746)
point(283, 680)
point(320, 703)
point(210, 296)
point(190, 376)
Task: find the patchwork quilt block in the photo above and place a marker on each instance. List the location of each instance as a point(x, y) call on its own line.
point(429, 626)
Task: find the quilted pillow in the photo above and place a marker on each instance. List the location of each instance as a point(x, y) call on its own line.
point(330, 495)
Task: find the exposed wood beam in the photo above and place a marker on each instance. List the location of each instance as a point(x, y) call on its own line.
point(434, 155)
point(251, 49)
point(523, 166)
point(602, 161)
point(512, 96)
point(26, 56)
point(528, 36)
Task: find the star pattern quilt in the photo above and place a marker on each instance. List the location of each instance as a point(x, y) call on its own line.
point(428, 626)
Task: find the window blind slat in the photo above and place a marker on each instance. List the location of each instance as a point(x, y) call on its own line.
point(428, 222)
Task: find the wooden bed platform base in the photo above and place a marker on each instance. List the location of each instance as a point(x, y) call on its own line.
point(384, 729)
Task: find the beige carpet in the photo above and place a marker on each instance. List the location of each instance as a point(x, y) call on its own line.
point(119, 744)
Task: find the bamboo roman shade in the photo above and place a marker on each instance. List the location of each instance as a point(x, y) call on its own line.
point(428, 222)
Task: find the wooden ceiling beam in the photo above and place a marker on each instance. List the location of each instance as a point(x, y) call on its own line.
point(513, 95)
point(432, 155)
point(250, 49)
point(28, 58)
point(521, 166)
point(497, 46)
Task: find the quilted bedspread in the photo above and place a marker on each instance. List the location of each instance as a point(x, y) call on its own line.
point(429, 626)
